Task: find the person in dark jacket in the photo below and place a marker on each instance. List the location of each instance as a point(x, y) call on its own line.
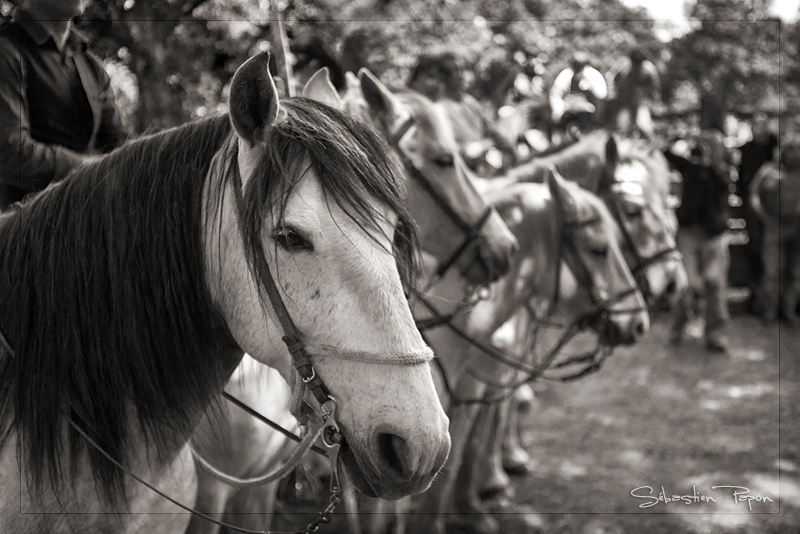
point(57, 106)
point(703, 220)
point(756, 152)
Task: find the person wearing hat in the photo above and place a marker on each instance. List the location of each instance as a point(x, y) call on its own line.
point(57, 107)
point(579, 79)
point(637, 86)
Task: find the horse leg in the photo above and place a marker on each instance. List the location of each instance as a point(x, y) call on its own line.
point(471, 512)
point(494, 480)
point(430, 508)
point(252, 508)
point(351, 506)
point(516, 460)
point(212, 496)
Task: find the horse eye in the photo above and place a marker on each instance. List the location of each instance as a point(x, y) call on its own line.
point(600, 252)
point(444, 161)
point(291, 240)
point(634, 212)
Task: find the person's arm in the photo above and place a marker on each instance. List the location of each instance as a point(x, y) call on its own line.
point(598, 83)
point(558, 91)
point(24, 162)
point(112, 133)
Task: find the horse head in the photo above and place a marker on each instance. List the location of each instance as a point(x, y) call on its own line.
point(453, 219)
point(306, 198)
point(597, 282)
point(634, 184)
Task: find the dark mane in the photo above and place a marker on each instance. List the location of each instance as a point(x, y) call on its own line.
point(105, 304)
point(104, 298)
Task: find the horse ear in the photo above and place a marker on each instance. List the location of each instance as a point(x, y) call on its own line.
point(607, 172)
point(612, 152)
point(253, 101)
point(560, 192)
point(320, 88)
point(384, 106)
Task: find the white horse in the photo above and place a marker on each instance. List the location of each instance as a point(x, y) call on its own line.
point(132, 289)
point(249, 505)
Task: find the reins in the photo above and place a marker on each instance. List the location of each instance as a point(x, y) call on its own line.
point(565, 250)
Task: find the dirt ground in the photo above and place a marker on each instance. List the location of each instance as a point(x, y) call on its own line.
point(677, 420)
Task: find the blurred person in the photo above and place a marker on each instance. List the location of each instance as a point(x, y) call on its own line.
point(774, 196)
point(363, 49)
point(703, 221)
point(754, 153)
point(575, 87)
point(637, 86)
point(57, 106)
point(439, 78)
point(578, 90)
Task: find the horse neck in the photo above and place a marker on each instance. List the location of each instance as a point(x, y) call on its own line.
point(117, 320)
point(532, 275)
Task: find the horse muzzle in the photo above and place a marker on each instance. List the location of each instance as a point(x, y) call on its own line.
point(391, 466)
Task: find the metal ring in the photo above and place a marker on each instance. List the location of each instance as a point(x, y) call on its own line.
point(310, 378)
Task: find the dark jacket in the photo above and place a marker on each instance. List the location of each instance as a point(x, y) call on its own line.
point(55, 106)
point(704, 196)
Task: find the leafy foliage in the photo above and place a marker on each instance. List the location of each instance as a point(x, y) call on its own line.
point(172, 59)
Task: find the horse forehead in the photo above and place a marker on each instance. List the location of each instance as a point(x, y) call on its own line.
point(309, 207)
point(631, 175)
point(431, 121)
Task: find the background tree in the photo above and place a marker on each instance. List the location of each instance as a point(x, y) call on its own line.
point(171, 60)
point(734, 52)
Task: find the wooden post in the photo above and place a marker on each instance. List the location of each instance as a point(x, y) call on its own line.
point(280, 45)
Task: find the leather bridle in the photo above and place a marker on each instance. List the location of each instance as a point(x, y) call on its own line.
point(567, 251)
point(641, 262)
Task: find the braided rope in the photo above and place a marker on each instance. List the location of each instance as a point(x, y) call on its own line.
point(397, 358)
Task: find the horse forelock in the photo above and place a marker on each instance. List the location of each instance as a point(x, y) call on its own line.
point(115, 313)
point(354, 169)
point(655, 180)
point(590, 202)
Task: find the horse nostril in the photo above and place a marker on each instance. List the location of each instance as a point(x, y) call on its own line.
point(395, 452)
point(672, 287)
point(639, 329)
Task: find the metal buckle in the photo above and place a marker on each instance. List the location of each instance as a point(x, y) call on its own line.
point(310, 378)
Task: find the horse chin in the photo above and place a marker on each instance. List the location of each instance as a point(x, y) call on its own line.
point(354, 472)
point(476, 273)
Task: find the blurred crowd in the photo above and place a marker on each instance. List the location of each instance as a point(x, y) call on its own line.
point(57, 110)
